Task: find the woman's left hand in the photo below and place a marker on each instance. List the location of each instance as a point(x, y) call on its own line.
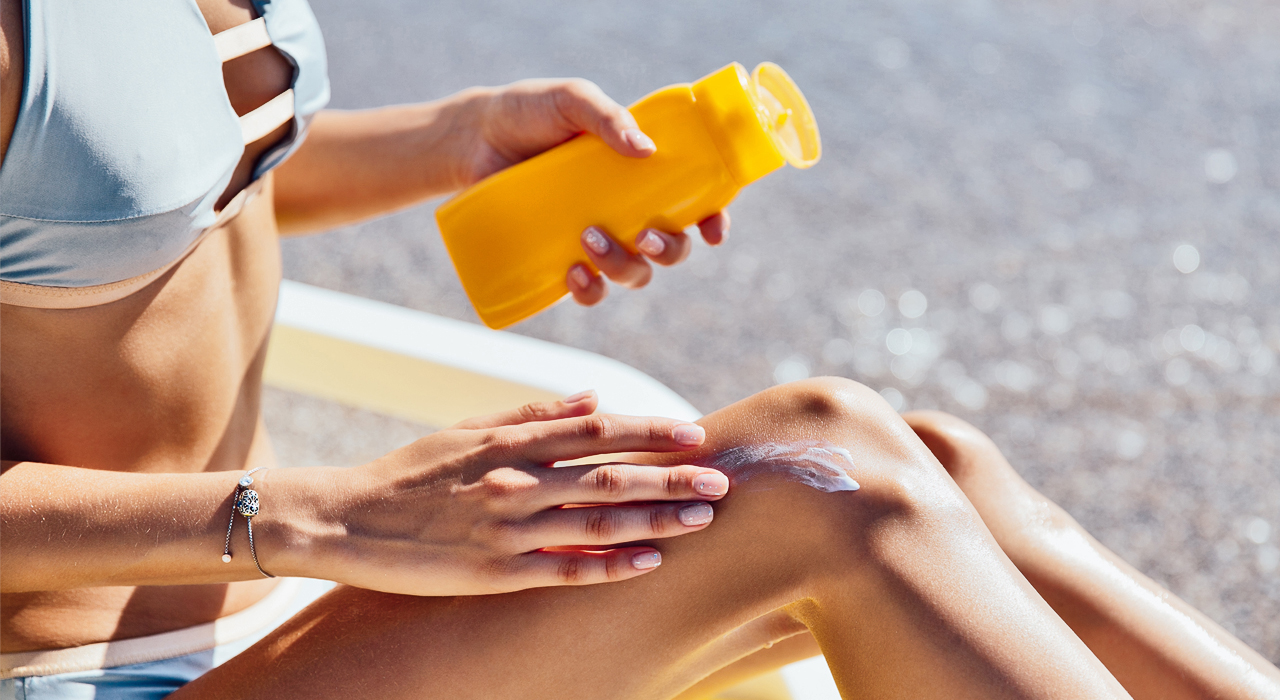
point(521, 120)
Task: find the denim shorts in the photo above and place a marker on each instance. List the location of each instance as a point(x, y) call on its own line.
point(159, 675)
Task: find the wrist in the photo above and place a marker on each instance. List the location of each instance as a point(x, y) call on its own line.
point(464, 116)
point(298, 521)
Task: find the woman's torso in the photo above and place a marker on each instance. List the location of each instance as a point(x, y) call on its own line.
point(166, 379)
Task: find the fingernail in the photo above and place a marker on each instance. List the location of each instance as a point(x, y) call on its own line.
point(646, 560)
point(639, 140)
point(651, 243)
point(688, 434)
point(580, 396)
point(596, 241)
point(714, 484)
point(580, 276)
point(695, 514)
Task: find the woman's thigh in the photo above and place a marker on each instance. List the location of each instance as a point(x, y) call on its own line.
point(902, 586)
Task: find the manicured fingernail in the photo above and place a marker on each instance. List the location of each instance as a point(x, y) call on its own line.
point(639, 140)
point(651, 244)
point(580, 276)
point(688, 434)
point(580, 396)
point(596, 241)
point(714, 484)
point(646, 560)
point(695, 514)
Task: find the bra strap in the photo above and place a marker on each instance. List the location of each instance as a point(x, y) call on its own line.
point(242, 39)
point(266, 118)
point(238, 41)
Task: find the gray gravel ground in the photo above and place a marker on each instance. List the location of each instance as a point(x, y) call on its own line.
point(1028, 168)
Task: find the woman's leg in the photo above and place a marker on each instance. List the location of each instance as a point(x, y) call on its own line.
point(1156, 645)
point(900, 583)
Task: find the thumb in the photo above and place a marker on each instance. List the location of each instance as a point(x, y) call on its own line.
point(586, 107)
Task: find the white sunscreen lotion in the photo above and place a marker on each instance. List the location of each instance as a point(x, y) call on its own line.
point(818, 465)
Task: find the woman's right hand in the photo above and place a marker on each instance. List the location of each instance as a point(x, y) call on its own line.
point(480, 508)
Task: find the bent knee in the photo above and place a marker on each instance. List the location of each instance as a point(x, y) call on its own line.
point(893, 467)
point(946, 435)
point(845, 412)
point(830, 403)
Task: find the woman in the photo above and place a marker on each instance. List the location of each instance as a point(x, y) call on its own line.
point(139, 208)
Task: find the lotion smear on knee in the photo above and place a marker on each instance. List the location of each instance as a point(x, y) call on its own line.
point(818, 465)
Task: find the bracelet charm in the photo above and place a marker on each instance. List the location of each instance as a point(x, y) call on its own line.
point(246, 502)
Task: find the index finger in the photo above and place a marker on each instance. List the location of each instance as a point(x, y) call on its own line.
point(581, 403)
point(586, 436)
point(616, 482)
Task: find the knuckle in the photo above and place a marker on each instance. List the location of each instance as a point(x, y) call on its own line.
point(497, 486)
point(610, 480)
point(612, 568)
point(571, 570)
point(502, 486)
point(533, 411)
point(600, 524)
point(579, 87)
point(658, 520)
point(675, 482)
point(602, 429)
point(502, 442)
point(574, 92)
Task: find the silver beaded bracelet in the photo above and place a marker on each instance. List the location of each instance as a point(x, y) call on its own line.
point(245, 502)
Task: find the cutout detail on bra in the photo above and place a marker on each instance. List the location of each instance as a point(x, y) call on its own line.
point(92, 213)
point(242, 39)
point(268, 117)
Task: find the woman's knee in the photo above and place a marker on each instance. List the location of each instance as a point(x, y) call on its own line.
point(950, 439)
point(829, 405)
point(895, 473)
point(853, 416)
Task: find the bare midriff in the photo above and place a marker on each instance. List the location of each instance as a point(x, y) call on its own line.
point(165, 380)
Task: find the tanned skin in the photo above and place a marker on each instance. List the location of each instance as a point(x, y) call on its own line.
point(126, 425)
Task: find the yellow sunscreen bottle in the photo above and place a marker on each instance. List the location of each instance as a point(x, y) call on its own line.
point(514, 235)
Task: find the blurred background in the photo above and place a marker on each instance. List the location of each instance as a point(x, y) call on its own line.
point(1058, 220)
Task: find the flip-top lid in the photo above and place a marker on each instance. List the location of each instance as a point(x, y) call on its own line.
point(786, 115)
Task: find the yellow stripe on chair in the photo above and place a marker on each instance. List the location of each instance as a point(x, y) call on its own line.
point(386, 382)
point(438, 370)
